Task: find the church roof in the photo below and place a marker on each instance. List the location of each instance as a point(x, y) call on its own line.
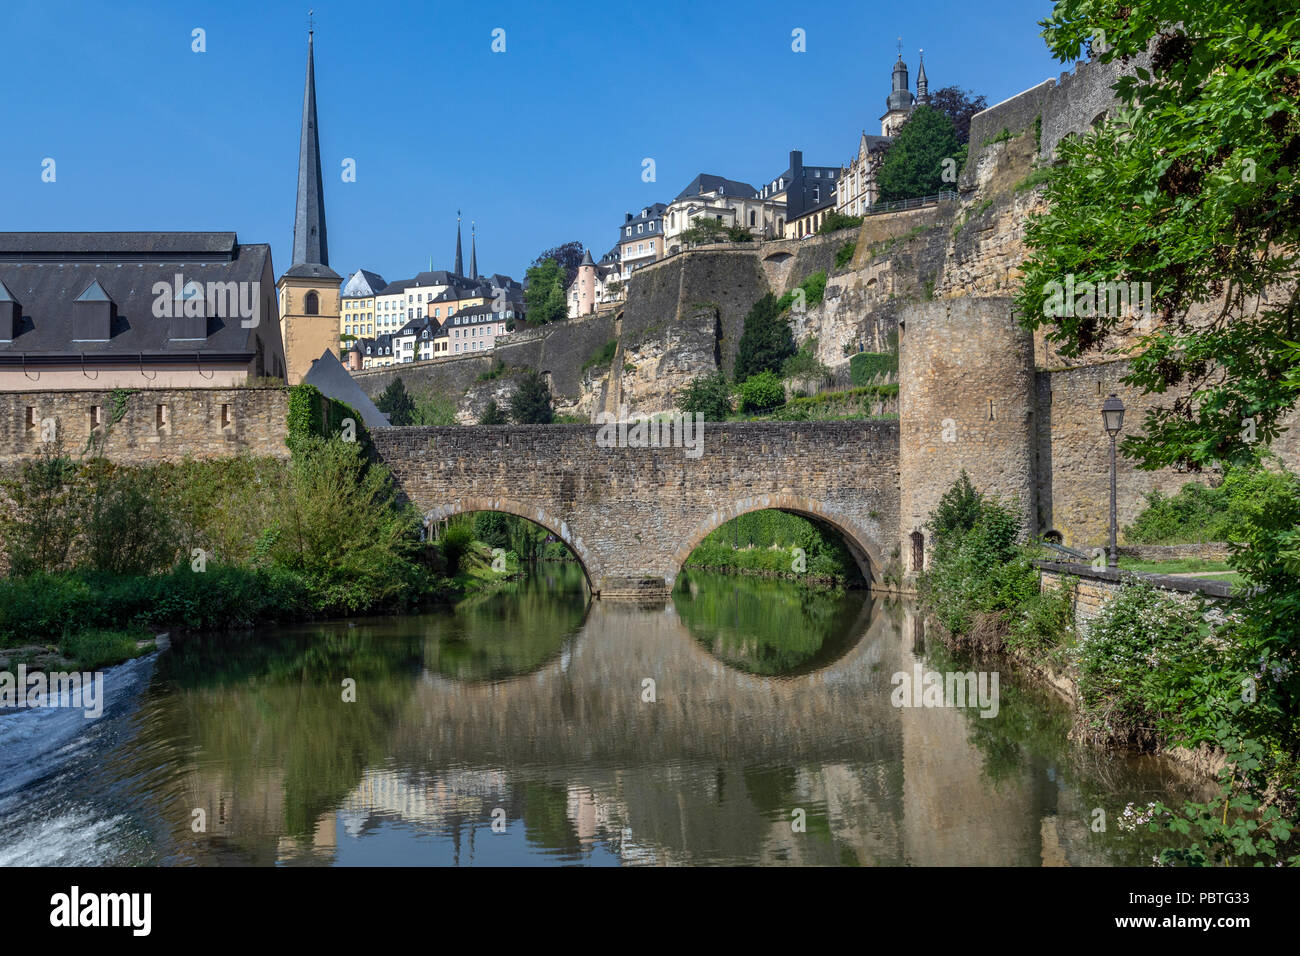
point(309, 241)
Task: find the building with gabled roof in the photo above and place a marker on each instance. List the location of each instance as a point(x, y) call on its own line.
point(95, 310)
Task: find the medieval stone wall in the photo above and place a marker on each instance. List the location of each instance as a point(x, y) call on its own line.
point(164, 424)
point(632, 515)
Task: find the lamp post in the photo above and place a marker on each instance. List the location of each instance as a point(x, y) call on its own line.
point(1112, 417)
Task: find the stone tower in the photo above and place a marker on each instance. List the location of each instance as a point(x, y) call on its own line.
point(967, 395)
point(309, 290)
point(586, 285)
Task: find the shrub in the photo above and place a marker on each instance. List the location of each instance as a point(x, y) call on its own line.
point(844, 255)
point(40, 526)
point(602, 356)
point(708, 395)
point(492, 414)
point(866, 366)
point(805, 363)
point(127, 530)
point(761, 393)
point(836, 221)
point(1148, 672)
point(455, 543)
point(492, 528)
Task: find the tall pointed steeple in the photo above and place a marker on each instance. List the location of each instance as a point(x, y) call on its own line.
point(459, 267)
point(473, 251)
point(922, 84)
point(309, 243)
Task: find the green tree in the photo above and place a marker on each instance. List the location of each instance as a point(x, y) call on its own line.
point(531, 402)
point(835, 221)
point(544, 299)
point(492, 414)
point(702, 231)
point(396, 403)
point(914, 165)
point(1192, 187)
point(708, 395)
point(434, 409)
point(766, 341)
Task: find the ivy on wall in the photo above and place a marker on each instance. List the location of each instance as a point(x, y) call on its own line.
point(313, 414)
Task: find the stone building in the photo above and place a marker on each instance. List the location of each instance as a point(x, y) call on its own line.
point(98, 310)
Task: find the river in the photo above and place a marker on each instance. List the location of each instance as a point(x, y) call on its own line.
point(745, 721)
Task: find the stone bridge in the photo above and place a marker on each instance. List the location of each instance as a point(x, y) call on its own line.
point(633, 515)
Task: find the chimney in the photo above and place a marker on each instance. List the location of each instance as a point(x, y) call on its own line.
point(629, 218)
point(93, 313)
point(11, 314)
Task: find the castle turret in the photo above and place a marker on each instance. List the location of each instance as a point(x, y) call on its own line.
point(586, 284)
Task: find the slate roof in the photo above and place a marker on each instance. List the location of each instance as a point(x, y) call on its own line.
point(710, 183)
point(309, 243)
point(328, 374)
point(47, 272)
point(363, 284)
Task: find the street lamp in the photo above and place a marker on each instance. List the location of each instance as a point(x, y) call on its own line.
point(1112, 417)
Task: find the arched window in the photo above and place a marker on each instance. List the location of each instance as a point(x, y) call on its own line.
point(312, 306)
point(918, 551)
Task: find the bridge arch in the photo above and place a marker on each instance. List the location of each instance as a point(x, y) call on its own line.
point(860, 542)
point(556, 526)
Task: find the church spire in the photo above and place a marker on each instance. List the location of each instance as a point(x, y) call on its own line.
point(922, 84)
point(473, 252)
point(309, 244)
point(459, 267)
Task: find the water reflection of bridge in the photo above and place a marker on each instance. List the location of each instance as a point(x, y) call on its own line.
point(709, 771)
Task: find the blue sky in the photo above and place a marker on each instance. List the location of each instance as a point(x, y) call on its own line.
point(540, 144)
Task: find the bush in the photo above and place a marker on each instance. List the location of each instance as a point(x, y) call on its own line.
point(341, 526)
point(805, 363)
point(40, 526)
point(866, 366)
point(455, 543)
point(761, 393)
point(844, 255)
point(602, 356)
point(1147, 671)
point(708, 395)
point(1203, 513)
point(814, 290)
point(127, 530)
point(492, 414)
point(836, 221)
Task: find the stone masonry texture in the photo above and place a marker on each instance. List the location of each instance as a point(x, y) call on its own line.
point(633, 515)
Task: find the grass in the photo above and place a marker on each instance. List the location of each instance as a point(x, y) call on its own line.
point(1204, 570)
point(93, 649)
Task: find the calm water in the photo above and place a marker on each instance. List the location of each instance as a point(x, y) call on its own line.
point(534, 727)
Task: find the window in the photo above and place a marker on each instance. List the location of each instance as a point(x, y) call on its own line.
point(226, 418)
point(311, 306)
point(162, 416)
point(652, 245)
point(96, 417)
point(640, 227)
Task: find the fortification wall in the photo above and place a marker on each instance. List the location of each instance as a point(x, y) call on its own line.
point(163, 424)
point(966, 402)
